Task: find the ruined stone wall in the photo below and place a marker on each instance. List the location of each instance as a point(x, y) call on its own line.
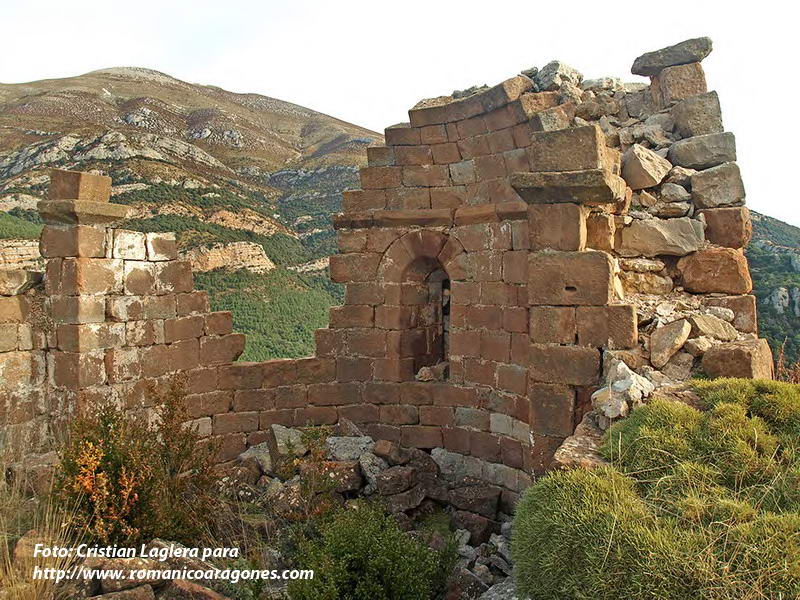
point(515, 258)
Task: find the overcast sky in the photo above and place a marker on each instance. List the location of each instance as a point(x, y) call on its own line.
point(368, 62)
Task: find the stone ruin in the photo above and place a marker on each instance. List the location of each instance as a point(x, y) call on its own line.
point(519, 257)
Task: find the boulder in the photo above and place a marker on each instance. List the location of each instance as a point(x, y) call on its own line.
point(722, 270)
point(554, 74)
point(712, 327)
point(672, 192)
point(344, 476)
point(371, 466)
point(261, 454)
point(703, 151)
point(654, 237)
point(697, 346)
point(407, 500)
point(718, 186)
point(750, 359)
point(679, 367)
point(688, 51)
point(642, 168)
point(582, 448)
point(464, 585)
point(481, 499)
point(395, 480)
point(391, 452)
point(698, 115)
point(348, 448)
point(480, 528)
point(127, 565)
point(667, 340)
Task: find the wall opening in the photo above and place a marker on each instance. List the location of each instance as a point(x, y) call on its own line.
point(428, 288)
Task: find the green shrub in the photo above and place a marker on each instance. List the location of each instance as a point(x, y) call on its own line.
point(695, 505)
point(14, 227)
point(360, 553)
point(132, 479)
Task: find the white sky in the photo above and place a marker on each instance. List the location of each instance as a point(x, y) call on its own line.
point(367, 62)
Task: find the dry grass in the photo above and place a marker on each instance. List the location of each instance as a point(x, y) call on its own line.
point(21, 512)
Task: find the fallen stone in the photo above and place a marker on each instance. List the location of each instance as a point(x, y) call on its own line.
point(698, 115)
point(127, 565)
point(481, 499)
point(670, 210)
point(286, 441)
point(391, 452)
point(480, 528)
point(581, 450)
point(348, 448)
point(688, 51)
point(667, 340)
point(726, 314)
point(750, 359)
point(722, 270)
point(645, 283)
point(642, 168)
point(672, 192)
point(14, 282)
point(371, 466)
point(713, 327)
point(703, 151)
point(623, 391)
point(642, 265)
point(343, 476)
point(718, 186)
point(464, 584)
point(682, 176)
point(395, 480)
point(654, 237)
point(405, 500)
point(679, 367)
point(554, 74)
point(505, 590)
point(698, 346)
point(261, 454)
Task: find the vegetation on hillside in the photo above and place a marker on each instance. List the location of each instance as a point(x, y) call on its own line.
point(15, 228)
point(696, 504)
point(278, 311)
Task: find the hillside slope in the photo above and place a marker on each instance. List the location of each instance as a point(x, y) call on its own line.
point(245, 180)
point(774, 256)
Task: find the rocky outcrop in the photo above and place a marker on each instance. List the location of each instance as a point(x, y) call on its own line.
point(235, 255)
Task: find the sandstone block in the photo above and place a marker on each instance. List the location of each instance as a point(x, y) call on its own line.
point(78, 309)
point(613, 327)
point(91, 276)
point(750, 359)
point(123, 364)
point(380, 156)
point(75, 370)
point(654, 237)
point(667, 340)
point(703, 151)
point(711, 270)
point(90, 336)
point(354, 267)
point(358, 200)
point(712, 327)
point(553, 324)
point(600, 231)
point(81, 212)
point(402, 135)
point(570, 278)
point(129, 244)
point(425, 176)
point(557, 226)
point(571, 365)
point(745, 317)
point(161, 246)
point(642, 168)
point(13, 309)
point(718, 186)
point(729, 227)
point(76, 240)
point(221, 349)
point(75, 185)
point(413, 155)
point(380, 177)
point(698, 115)
point(444, 154)
point(17, 281)
point(678, 82)
point(575, 149)
point(192, 302)
point(552, 409)
point(597, 186)
point(688, 51)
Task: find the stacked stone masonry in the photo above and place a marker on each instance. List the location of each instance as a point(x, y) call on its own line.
point(504, 248)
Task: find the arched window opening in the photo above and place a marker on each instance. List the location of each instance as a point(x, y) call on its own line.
point(432, 323)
